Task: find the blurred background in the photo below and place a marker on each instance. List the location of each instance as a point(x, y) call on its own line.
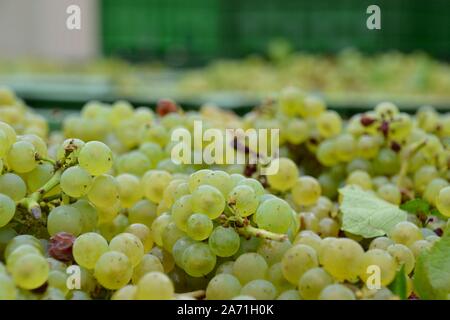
point(229, 52)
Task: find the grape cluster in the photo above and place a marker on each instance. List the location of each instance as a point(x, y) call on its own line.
point(103, 196)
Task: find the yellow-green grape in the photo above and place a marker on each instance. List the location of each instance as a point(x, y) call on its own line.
point(381, 259)
point(155, 133)
point(291, 101)
point(328, 227)
point(169, 193)
point(178, 249)
point(296, 131)
point(9, 132)
point(96, 158)
point(58, 279)
point(359, 164)
point(39, 144)
point(360, 178)
point(120, 111)
point(154, 182)
point(420, 246)
point(289, 295)
point(149, 263)
point(443, 201)
point(219, 180)
point(314, 106)
point(30, 271)
point(153, 152)
point(130, 189)
point(243, 200)
point(7, 209)
point(260, 289)
point(130, 245)
point(223, 287)
point(134, 162)
point(208, 200)
point(143, 233)
point(4, 145)
point(143, 212)
point(386, 110)
point(250, 266)
point(158, 226)
point(341, 258)
point(336, 292)
point(108, 214)
point(390, 193)
point(224, 242)
point(64, 218)
point(155, 286)
point(182, 189)
point(88, 248)
point(88, 214)
point(254, 184)
point(39, 176)
point(75, 181)
point(170, 235)
point(20, 240)
point(403, 256)
point(126, 293)
point(405, 233)
point(309, 221)
point(104, 191)
point(433, 188)
point(424, 176)
point(19, 252)
point(197, 178)
point(381, 243)
point(427, 118)
point(273, 250)
point(313, 282)
point(286, 175)
point(70, 149)
point(21, 157)
point(8, 290)
point(162, 208)
point(306, 191)
point(181, 211)
point(309, 238)
point(276, 276)
point(199, 226)
point(274, 215)
point(113, 270)
point(367, 147)
point(400, 128)
point(198, 260)
point(329, 124)
point(326, 153)
point(297, 260)
point(386, 162)
point(345, 147)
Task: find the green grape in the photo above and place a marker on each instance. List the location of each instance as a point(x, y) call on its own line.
point(433, 188)
point(104, 191)
point(386, 162)
point(328, 185)
point(224, 242)
point(345, 147)
point(329, 124)
point(381, 259)
point(443, 201)
point(236, 178)
point(143, 212)
point(367, 147)
point(400, 128)
point(96, 158)
point(134, 162)
point(291, 101)
point(120, 110)
point(289, 295)
point(39, 176)
point(297, 260)
point(254, 184)
point(7, 209)
point(309, 238)
point(19, 252)
point(275, 275)
point(198, 260)
point(155, 286)
point(420, 246)
point(296, 131)
point(21, 157)
point(178, 249)
point(313, 282)
point(149, 263)
point(208, 200)
point(306, 191)
point(360, 178)
point(153, 151)
point(199, 226)
point(223, 287)
point(155, 133)
point(341, 258)
point(126, 293)
point(88, 215)
point(169, 193)
point(274, 215)
point(405, 233)
point(113, 270)
point(386, 110)
point(154, 182)
point(250, 266)
point(8, 289)
point(58, 279)
point(390, 193)
point(181, 211)
point(143, 233)
point(88, 248)
point(70, 149)
point(9, 132)
point(75, 181)
point(286, 176)
point(4, 145)
point(359, 164)
point(336, 292)
point(170, 235)
point(130, 245)
point(130, 190)
point(260, 290)
point(381, 243)
point(219, 180)
point(64, 218)
point(326, 153)
point(328, 227)
point(39, 144)
point(197, 178)
point(108, 214)
point(20, 240)
point(273, 250)
point(158, 226)
point(30, 271)
point(424, 176)
point(403, 256)
point(182, 189)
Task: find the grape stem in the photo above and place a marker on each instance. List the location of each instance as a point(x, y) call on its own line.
point(40, 158)
point(249, 230)
point(409, 153)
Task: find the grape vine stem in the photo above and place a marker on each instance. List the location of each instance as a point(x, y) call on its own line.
point(249, 230)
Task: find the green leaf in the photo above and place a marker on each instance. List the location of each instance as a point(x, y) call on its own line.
point(366, 215)
point(399, 285)
point(416, 206)
point(432, 272)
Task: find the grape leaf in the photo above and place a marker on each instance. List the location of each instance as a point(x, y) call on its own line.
point(367, 215)
point(416, 206)
point(432, 272)
point(398, 286)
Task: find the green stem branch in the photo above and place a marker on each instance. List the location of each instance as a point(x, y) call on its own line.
point(249, 230)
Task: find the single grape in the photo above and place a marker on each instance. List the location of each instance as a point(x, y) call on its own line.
point(158, 226)
point(130, 245)
point(64, 219)
point(274, 215)
point(297, 260)
point(329, 124)
point(75, 181)
point(243, 200)
point(30, 271)
point(96, 158)
point(403, 256)
point(289, 295)
point(125, 293)
point(7, 209)
point(113, 270)
point(224, 242)
point(199, 226)
point(21, 157)
point(170, 235)
point(143, 212)
point(405, 233)
point(130, 189)
point(306, 191)
point(336, 292)
point(208, 200)
point(198, 260)
point(286, 175)
point(13, 186)
point(223, 287)
point(381, 243)
point(154, 182)
point(143, 233)
point(104, 191)
point(250, 266)
point(313, 282)
point(443, 201)
point(149, 263)
point(88, 248)
point(181, 211)
point(260, 289)
point(381, 259)
point(155, 286)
